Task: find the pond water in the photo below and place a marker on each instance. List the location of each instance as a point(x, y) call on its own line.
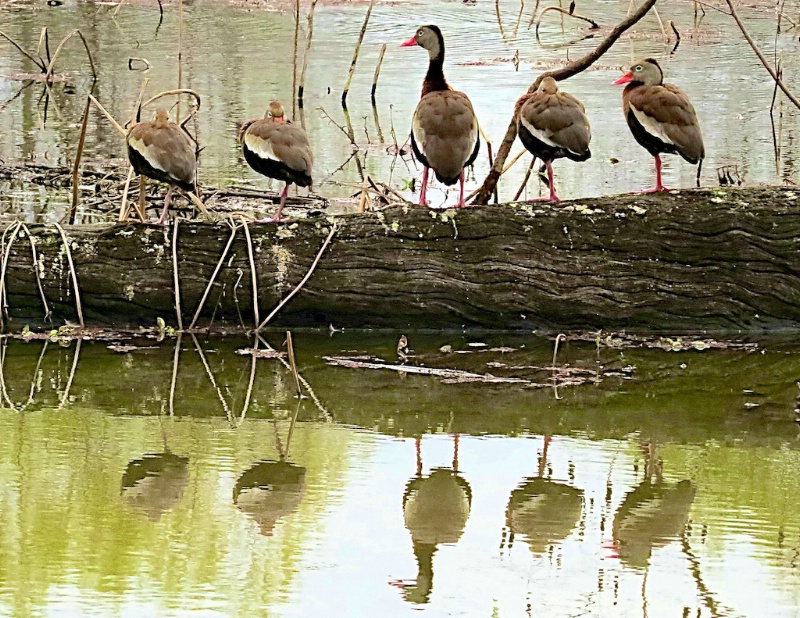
point(238, 58)
point(182, 478)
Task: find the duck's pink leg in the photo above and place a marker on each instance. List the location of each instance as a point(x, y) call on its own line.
point(424, 189)
point(167, 200)
point(277, 217)
point(461, 203)
point(553, 196)
point(659, 186)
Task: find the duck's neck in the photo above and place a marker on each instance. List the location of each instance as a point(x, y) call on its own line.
point(434, 78)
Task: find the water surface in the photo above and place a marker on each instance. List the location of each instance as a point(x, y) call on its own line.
point(670, 492)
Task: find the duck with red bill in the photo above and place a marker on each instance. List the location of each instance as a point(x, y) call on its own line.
point(661, 117)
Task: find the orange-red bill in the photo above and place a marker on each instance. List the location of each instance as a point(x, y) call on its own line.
point(628, 77)
point(409, 43)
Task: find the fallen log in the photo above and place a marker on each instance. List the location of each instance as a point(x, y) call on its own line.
point(711, 259)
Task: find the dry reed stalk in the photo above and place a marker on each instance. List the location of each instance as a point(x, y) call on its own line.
point(525, 180)
point(180, 56)
point(511, 163)
point(292, 425)
point(355, 54)
point(111, 119)
point(292, 362)
point(248, 396)
point(210, 374)
point(594, 25)
point(294, 57)
point(123, 209)
point(499, 20)
point(254, 276)
point(137, 109)
point(72, 371)
point(213, 277)
point(309, 34)
point(375, 80)
point(141, 205)
point(73, 273)
point(175, 358)
point(77, 165)
point(175, 278)
point(299, 286)
point(3, 293)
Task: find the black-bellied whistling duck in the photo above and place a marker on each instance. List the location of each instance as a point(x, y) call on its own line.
point(553, 124)
point(161, 150)
point(279, 149)
point(661, 117)
point(269, 491)
point(155, 483)
point(444, 130)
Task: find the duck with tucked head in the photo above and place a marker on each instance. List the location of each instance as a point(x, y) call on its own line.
point(553, 124)
point(444, 130)
point(161, 150)
point(279, 149)
point(661, 117)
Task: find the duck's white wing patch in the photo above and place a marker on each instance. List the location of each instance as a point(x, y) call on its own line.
point(148, 153)
point(543, 136)
point(261, 147)
point(651, 125)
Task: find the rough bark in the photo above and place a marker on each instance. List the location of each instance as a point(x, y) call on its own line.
point(716, 260)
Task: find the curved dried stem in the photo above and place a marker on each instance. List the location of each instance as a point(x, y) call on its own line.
point(557, 9)
point(176, 92)
point(117, 125)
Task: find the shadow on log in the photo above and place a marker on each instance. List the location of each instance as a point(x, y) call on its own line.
point(716, 260)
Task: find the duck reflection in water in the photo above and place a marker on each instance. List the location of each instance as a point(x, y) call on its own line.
point(155, 483)
point(652, 515)
point(271, 489)
point(543, 511)
point(435, 509)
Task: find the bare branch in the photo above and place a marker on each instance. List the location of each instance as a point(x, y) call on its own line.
point(761, 57)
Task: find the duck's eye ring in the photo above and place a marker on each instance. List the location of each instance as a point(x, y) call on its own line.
point(638, 67)
point(419, 32)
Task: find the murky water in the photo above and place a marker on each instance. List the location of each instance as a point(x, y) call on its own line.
point(238, 59)
point(672, 493)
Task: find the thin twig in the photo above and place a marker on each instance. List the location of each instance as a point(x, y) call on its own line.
point(73, 273)
point(38, 63)
point(180, 57)
point(214, 276)
point(299, 286)
point(254, 276)
point(35, 257)
point(249, 393)
point(52, 65)
point(355, 54)
point(175, 278)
